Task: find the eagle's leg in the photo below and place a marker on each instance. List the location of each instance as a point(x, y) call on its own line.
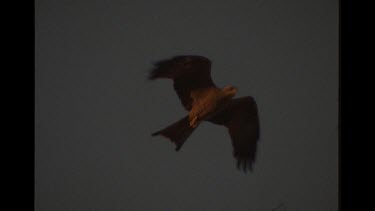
point(194, 122)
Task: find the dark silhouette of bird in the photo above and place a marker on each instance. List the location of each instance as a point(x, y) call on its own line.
point(204, 101)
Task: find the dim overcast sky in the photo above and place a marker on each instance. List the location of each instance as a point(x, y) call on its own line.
point(95, 110)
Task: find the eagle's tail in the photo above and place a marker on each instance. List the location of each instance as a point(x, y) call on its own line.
point(178, 132)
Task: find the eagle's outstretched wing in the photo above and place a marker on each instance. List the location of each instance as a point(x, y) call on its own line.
point(241, 119)
point(187, 72)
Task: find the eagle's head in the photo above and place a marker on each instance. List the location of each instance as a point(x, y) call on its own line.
point(229, 91)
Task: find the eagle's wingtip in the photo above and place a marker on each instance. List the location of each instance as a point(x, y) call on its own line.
point(244, 166)
point(155, 134)
point(151, 75)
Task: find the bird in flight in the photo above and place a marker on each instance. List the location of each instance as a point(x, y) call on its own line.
point(204, 101)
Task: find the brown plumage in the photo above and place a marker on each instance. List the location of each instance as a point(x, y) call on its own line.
point(204, 101)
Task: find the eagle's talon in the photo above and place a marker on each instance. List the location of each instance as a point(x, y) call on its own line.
point(194, 122)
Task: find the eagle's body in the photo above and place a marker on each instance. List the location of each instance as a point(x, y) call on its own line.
point(206, 102)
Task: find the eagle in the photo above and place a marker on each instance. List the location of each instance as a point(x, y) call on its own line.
point(204, 101)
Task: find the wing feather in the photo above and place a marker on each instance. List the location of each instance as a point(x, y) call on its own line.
point(241, 119)
point(187, 72)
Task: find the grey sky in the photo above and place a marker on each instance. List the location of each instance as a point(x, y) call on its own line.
point(95, 110)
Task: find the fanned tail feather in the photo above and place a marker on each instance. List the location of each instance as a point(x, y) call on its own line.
point(178, 132)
